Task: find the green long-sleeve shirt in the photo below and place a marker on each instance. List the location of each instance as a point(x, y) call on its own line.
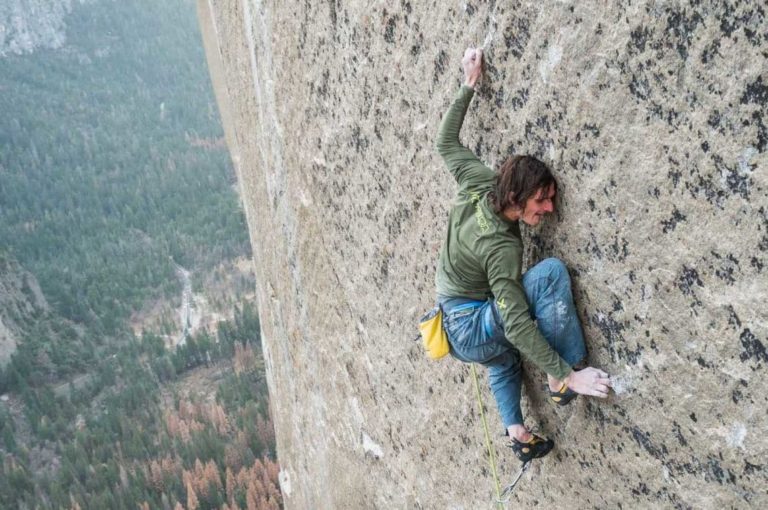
point(482, 254)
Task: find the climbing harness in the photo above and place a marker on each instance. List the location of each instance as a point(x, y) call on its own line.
point(505, 495)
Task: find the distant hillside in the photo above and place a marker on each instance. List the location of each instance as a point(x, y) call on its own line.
point(116, 195)
point(114, 169)
point(26, 25)
point(21, 302)
point(37, 346)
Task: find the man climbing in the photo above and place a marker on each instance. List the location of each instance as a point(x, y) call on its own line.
point(489, 306)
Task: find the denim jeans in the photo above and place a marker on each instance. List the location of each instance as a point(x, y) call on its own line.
point(476, 333)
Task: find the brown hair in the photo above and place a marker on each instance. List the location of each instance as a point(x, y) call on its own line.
point(518, 179)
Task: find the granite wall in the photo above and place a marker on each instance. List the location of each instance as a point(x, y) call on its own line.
point(653, 116)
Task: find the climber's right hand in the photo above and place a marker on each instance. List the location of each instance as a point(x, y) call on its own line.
point(473, 66)
point(590, 381)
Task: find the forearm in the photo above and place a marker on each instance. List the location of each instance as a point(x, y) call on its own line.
point(448, 145)
point(448, 134)
point(530, 342)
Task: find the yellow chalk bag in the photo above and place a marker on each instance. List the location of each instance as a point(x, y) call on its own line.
point(433, 335)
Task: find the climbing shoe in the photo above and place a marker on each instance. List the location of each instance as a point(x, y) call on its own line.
point(536, 447)
point(563, 396)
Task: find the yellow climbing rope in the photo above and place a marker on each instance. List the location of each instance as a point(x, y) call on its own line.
point(488, 445)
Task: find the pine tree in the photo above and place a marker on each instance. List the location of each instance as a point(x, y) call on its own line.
point(231, 486)
point(192, 502)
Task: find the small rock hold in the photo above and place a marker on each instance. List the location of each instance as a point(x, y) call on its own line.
point(371, 448)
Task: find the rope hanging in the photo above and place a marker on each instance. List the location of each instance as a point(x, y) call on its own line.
point(491, 458)
point(505, 495)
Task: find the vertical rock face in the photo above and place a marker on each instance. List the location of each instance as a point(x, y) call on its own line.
point(653, 116)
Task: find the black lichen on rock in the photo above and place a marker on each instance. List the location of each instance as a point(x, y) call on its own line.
point(752, 347)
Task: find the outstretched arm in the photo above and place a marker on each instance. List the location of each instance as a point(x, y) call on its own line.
point(461, 162)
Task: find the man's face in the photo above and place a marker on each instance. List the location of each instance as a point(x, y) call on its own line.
point(543, 202)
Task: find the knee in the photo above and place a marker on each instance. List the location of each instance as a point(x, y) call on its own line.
point(556, 267)
point(558, 273)
point(503, 370)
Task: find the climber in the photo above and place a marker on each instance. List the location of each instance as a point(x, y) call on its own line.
point(489, 306)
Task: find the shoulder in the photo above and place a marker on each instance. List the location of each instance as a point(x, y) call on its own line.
point(479, 178)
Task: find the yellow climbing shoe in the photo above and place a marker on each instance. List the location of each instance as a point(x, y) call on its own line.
point(536, 447)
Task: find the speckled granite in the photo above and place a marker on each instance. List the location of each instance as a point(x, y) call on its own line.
point(653, 116)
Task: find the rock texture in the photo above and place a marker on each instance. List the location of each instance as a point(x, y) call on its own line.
point(652, 114)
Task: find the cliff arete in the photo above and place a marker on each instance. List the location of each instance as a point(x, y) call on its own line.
point(653, 117)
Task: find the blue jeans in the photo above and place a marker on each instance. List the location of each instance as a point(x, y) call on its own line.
point(476, 332)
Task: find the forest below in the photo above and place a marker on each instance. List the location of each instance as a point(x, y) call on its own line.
point(113, 174)
point(135, 436)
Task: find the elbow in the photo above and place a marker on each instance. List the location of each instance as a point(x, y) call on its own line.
point(445, 140)
point(443, 146)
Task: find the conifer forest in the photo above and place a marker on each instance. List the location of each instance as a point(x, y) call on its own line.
point(131, 375)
